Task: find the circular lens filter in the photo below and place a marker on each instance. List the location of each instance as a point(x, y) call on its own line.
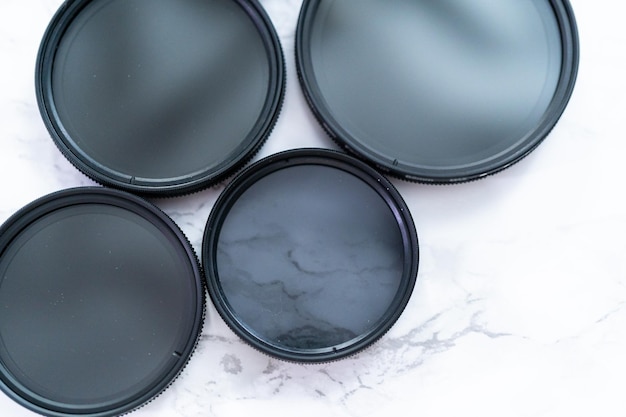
point(310, 255)
point(101, 303)
point(438, 91)
point(160, 97)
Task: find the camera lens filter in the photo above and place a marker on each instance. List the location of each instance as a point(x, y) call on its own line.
point(310, 255)
point(101, 303)
point(160, 96)
point(437, 91)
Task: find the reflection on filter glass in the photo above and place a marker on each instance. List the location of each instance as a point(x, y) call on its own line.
point(310, 257)
point(436, 83)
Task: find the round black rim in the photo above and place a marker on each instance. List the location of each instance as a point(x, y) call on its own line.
point(401, 166)
point(74, 322)
point(241, 146)
point(324, 159)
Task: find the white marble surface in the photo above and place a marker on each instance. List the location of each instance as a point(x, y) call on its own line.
point(520, 305)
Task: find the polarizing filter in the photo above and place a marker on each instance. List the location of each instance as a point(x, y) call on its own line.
point(160, 97)
point(101, 303)
point(310, 255)
point(437, 91)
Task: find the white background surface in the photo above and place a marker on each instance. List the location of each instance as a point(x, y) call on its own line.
point(520, 305)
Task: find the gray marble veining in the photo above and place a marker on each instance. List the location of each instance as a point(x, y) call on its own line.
point(310, 257)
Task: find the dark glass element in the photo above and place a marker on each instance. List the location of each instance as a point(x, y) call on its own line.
point(160, 96)
point(101, 301)
point(310, 255)
point(438, 91)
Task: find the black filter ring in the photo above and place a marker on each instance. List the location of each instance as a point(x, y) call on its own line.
point(312, 188)
point(399, 165)
point(91, 163)
point(88, 320)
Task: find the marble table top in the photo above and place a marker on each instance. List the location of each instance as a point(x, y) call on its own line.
point(520, 303)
